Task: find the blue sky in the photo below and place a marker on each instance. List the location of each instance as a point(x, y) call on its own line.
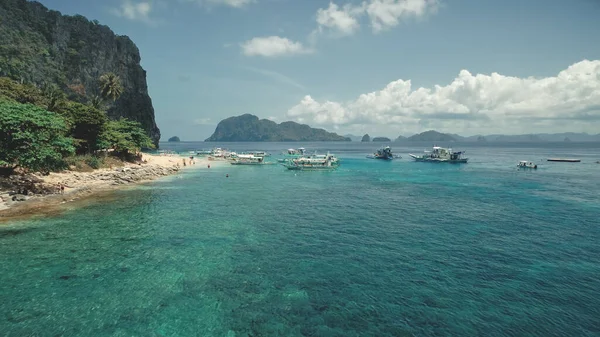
point(346, 65)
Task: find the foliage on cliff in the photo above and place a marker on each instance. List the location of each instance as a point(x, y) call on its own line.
point(248, 128)
point(46, 49)
point(57, 127)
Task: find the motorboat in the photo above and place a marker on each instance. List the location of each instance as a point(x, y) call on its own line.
point(247, 159)
point(441, 155)
point(384, 153)
point(526, 164)
point(313, 163)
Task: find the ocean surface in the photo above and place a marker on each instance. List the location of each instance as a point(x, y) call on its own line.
point(373, 249)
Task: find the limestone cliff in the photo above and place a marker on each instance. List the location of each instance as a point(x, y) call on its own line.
point(42, 46)
point(248, 128)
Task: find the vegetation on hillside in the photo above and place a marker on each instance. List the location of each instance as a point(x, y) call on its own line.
point(41, 128)
point(74, 58)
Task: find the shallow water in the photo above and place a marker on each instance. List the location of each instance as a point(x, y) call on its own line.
point(373, 249)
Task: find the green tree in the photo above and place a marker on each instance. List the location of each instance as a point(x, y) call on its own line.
point(55, 97)
point(23, 93)
point(97, 102)
point(86, 125)
point(110, 86)
point(32, 138)
point(125, 137)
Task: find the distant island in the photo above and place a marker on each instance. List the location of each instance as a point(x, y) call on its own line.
point(174, 139)
point(366, 138)
point(381, 139)
point(436, 136)
point(249, 128)
point(353, 138)
point(431, 136)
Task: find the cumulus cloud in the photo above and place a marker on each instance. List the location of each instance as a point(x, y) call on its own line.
point(386, 14)
point(136, 11)
point(339, 20)
point(272, 46)
point(382, 14)
point(485, 102)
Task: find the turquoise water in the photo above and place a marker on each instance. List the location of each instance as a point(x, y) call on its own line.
point(373, 249)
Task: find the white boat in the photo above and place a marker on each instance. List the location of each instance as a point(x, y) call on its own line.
point(313, 163)
point(526, 164)
point(441, 155)
point(298, 152)
point(292, 154)
point(219, 154)
point(247, 159)
point(259, 153)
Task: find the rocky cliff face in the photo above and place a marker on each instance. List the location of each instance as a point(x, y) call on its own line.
point(41, 46)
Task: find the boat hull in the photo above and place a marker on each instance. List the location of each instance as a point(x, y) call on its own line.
point(313, 168)
point(250, 164)
point(564, 160)
point(438, 160)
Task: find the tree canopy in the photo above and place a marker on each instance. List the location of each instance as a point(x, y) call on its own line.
point(110, 86)
point(125, 137)
point(32, 137)
point(35, 138)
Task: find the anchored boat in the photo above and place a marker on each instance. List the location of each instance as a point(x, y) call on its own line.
point(526, 164)
point(313, 163)
point(441, 155)
point(248, 159)
point(383, 153)
point(292, 154)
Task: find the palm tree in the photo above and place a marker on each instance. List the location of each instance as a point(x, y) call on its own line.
point(54, 95)
point(110, 86)
point(96, 102)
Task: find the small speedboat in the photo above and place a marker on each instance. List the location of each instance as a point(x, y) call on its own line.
point(526, 164)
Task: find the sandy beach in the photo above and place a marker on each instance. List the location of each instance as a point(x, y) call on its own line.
point(47, 197)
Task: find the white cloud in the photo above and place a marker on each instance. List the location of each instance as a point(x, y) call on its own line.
point(136, 11)
point(340, 20)
point(272, 46)
point(472, 103)
point(382, 14)
point(386, 14)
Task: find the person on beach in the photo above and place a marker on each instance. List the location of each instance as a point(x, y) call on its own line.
point(183, 161)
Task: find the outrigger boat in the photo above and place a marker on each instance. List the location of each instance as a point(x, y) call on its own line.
point(441, 155)
point(248, 159)
point(292, 154)
point(383, 153)
point(313, 163)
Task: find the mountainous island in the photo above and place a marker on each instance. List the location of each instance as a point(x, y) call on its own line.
point(381, 139)
point(366, 138)
point(49, 50)
point(435, 136)
point(249, 128)
point(174, 139)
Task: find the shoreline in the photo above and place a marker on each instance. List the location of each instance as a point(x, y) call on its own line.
point(86, 186)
